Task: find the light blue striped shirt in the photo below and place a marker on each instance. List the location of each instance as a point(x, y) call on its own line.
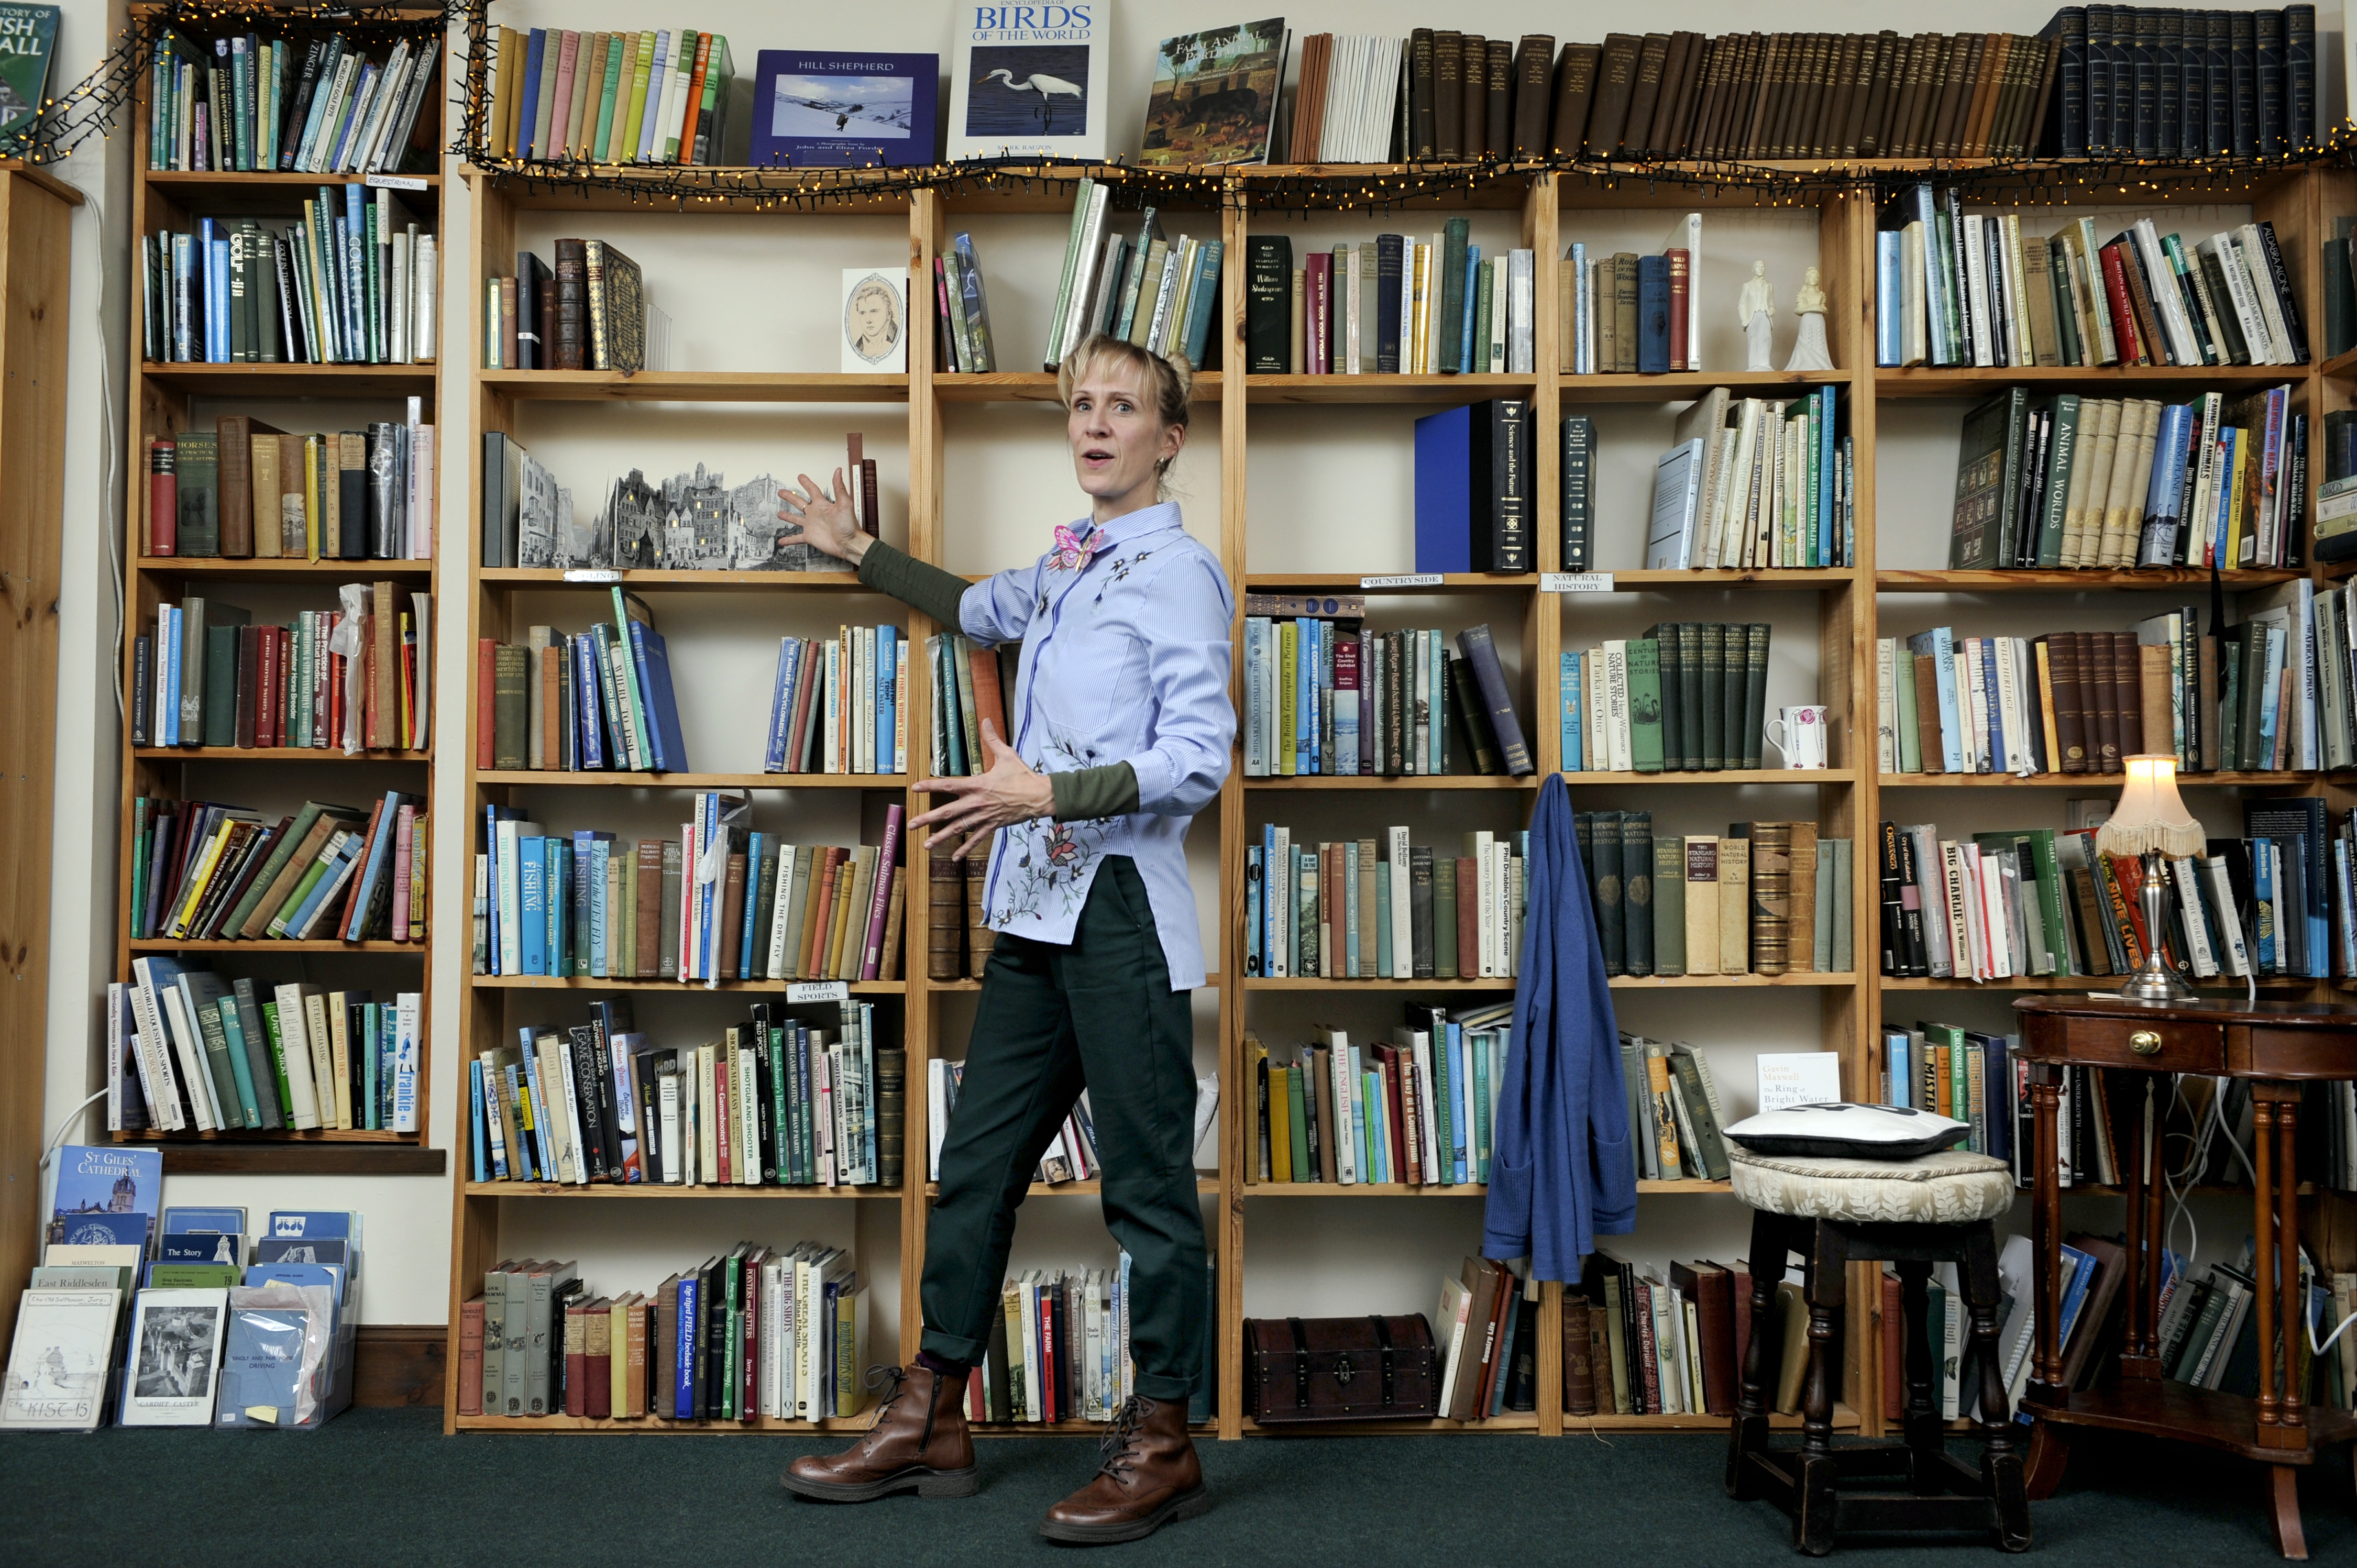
point(1124, 659)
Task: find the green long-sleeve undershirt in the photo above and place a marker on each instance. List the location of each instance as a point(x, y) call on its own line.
point(1080, 795)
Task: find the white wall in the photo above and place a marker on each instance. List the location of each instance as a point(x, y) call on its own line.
point(757, 292)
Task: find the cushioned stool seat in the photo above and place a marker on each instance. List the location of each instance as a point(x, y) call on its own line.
point(1835, 1211)
point(1951, 1188)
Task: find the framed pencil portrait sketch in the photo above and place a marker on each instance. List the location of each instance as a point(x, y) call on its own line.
point(875, 321)
point(175, 1357)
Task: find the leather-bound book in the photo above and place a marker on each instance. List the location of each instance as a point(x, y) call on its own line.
point(1533, 72)
point(235, 433)
point(509, 706)
point(2128, 683)
point(569, 342)
point(1498, 101)
point(1644, 94)
point(1711, 1288)
point(1578, 1369)
point(1575, 88)
point(1771, 893)
point(979, 936)
point(1800, 945)
point(732, 916)
point(1616, 80)
point(1419, 887)
point(2104, 700)
point(1447, 93)
point(1473, 103)
point(1422, 109)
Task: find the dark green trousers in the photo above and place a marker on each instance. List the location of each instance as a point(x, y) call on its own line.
point(1098, 1014)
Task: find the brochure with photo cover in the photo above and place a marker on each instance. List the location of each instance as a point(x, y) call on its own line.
point(812, 109)
point(176, 1342)
point(57, 1364)
point(96, 1182)
point(1029, 81)
point(1214, 96)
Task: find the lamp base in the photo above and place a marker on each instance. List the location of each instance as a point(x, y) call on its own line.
point(2155, 985)
point(2154, 981)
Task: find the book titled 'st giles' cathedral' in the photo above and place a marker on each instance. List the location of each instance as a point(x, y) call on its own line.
point(1029, 81)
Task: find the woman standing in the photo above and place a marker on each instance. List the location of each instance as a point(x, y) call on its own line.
point(1123, 731)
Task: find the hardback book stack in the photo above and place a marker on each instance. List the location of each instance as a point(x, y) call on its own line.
point(2275, 902)
point(595, 907)
point(1417, 1109)
point(758, 1333)
point(1058, 1350)
point(1471, 98)
point(592, 701)
point(959, 943)
point(1324, 697)
point(246, 490)
point(2151, 81)
point(2066, 480)
point(1686, 697)
point(198, 1051)
point(1352, 910)
point(1764, 899)
point(659, 97)
point(318, 105)
point(2248, 701)
point(1473, 479)
point(352, 281)
point(1638, 1343)
point(776, 1101)
point(1676, 1117)
point(209, 676)
point(1392, 304)
point(1627, 314)
point(590, 313)
point(1132, 282)
point(836, 705)
point(1349, 93)
point(1752, 483)
point(962, 340)
point(969, 684)
point(1969, 288)
point(202, 871)
point(1486, 1341)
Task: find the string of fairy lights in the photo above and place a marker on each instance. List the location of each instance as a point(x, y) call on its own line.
point(95, 104)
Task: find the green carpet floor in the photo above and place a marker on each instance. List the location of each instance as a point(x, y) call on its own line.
point(384, 1486)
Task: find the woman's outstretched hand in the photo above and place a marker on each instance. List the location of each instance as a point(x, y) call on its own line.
point(1008, 793)
point(828, 523)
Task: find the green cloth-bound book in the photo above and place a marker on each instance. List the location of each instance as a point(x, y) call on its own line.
point(1645, 704)
point(241, 1070)
point(1443, 917)
point(1637, 891)
point(1667, 638)
point(1297, 1114)
point(1669, 906)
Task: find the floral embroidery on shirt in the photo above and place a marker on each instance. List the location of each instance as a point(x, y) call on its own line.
point(1050, 864)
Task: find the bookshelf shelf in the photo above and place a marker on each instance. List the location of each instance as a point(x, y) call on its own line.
point(2075, 582)
point(651, 1190)
point(1090, 1188)
point(1038, 386)
point(1312, 983)
point(1977, 381)
point(1439, 390)
point(1508, 1421)
point(684, 987)
point(693, 386)
point(1682, 386)
point(2342, 364)
point(1783, 578)
point(2097, 783)
point(1724, 776)
point(1360, 1189)
point(165, 945)
point(1845, 1420)
point(1807, 979)
point(202, 183)
point(1357, 583)
point(656, 1426)
point(292, 381)
point(2098, 984)
point(1409, 782)
point(305, 753)
point(593, 780)
point(677, 582)
point(270, 569)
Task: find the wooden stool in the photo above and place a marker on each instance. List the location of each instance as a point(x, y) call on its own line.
point(1915, 1213)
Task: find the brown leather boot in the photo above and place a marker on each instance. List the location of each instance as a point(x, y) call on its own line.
point(1149, 1477)
point(920, 1443)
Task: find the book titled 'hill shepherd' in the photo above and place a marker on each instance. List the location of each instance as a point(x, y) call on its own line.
point(818, 110)
point(1029, 80)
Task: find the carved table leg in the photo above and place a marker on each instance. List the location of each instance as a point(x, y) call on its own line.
point(2283, 1495)
point(1748, 1432)
point(2000, 1462)
point(2050, 1455)
point(1813, 1528)
point(1924, 1438)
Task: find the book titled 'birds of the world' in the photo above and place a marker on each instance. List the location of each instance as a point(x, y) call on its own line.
point(1029, 80)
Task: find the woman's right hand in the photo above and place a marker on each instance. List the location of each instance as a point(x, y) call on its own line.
point(828, 523)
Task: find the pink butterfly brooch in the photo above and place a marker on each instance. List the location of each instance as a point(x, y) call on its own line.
point(1073, 549)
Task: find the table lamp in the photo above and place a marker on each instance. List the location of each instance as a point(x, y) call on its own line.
point(2151, 822)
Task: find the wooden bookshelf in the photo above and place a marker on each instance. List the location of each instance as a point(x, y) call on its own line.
point(1847, 605)
point(166, 397)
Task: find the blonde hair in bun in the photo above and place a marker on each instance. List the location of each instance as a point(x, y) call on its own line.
point(1168, 381)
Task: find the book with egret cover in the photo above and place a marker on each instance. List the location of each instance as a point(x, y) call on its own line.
point(1214, 96)
point(1029, 81)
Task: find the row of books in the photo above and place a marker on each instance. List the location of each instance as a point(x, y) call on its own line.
point(1058, 1350)
point(353, 281)
point(777, 1102)
point(1139, 286)
point(1686, 697)
point(592, 906)
point(590, 313)
point(203, 871)
point(1967, 288)
point(1419, 1110)
point(599, 700)
point(1323, 696)
point(969, 686)
point(2062, 480)
point(1347, 96)
point(1676, 1117)
point(1635, 1342)
point(962, 340)
point(246, 488)
point(2275, 902)
point(1392, 306)
point(319, 105)
point(647, 97)
point(1353, 910)
point(837, 705)
point(1486, 1342)
point(209, 676)
point(1960, 1074)
point(1630, 314)
point(1754, 482)
point(1474, 474)
point(957, 940)
point(2079, 701)
point(759, 1332)
point(1763, 899)
point(2156, 81)
point(190, 1049)
point(692, 521)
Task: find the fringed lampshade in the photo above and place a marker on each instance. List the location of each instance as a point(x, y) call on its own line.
point(2150, 823)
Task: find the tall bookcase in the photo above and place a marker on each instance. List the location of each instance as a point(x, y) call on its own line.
point(166, 397)
point(1835, 614)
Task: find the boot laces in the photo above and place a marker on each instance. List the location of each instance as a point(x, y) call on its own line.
point(895, 1380)
point(1119, 1445)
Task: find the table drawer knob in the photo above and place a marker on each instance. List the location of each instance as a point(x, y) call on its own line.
point(2145, 1042)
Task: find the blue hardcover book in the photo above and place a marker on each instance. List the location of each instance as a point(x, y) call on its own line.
point(191, 1220)
point(560, 905)
point(2164, 497)
point(329, 880)
point(217, 316)
point(1272, 901)
point(589, 749)
point(654, 678)
point(1828, 485)
point(1888, 341)
point(781, 704)
point(1310, 698)
point(168, 707)
point(682, 1326)
point(756, 845)
point(888, 666)
point(1899, 1087)
point(200, 1246)
point(820, 110)
point(378, 868)
point(241, 1069)
point(1653, 314)
point(1203, 300)
point(1444, 517)
point(477, 1143)
point(1938, 645)
point(532, 913)
point(1389, 252)
point(1982, 667)
point(371, 1049)
point(1465, 326)
point(585, 954)
point(2262, 892)
point(1575, 722)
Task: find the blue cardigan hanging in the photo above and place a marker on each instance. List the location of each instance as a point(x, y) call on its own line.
point(1562, 1172)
